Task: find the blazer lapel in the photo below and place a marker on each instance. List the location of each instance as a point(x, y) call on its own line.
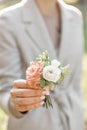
point(65, 30)
point(37, 30)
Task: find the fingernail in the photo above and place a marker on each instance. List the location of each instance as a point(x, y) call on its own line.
point(42, 97)
point(45, 92)
point(42, 103)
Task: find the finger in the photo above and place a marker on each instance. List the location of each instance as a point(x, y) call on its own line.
point(29, 107)
point(27, 101)
point(47, 90)
point(27, 93)
point(20, 84)
point(34, 87)
point(23, 84)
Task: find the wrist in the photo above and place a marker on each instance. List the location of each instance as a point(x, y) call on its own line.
point(13, 110)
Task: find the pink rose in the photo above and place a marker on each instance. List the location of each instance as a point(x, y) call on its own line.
point(33, 74)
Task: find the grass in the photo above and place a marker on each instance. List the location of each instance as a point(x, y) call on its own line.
point(84, 84)
point(8, 3)
point(2, 120)
point(84, 11)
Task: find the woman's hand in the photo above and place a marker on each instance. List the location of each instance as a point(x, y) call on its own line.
point(25, 98)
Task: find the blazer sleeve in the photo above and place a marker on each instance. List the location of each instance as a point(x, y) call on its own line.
point(69, 99)
point(10, 66)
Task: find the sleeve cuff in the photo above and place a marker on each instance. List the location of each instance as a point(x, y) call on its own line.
point(8, 106)
point(4, 98)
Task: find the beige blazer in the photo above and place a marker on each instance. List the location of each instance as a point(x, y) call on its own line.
point(23, 36)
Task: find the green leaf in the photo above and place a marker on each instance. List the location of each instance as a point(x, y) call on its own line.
point(62, 77)
point(48, 102)
point(65, 70)
point(52, 86)
point(47, 83)
point(42, 83)
point(44, 58)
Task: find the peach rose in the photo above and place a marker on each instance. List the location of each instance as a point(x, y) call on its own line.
point(33, 74)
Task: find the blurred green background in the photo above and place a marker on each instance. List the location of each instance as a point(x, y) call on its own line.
point(82, 5)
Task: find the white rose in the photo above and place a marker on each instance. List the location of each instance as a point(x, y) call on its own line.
point(55, 63)
point(51, 73)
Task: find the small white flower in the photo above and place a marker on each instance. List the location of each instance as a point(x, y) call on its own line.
point(51, 73)
point(55, 63)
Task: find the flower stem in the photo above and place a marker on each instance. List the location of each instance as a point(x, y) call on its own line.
point(48, 102)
